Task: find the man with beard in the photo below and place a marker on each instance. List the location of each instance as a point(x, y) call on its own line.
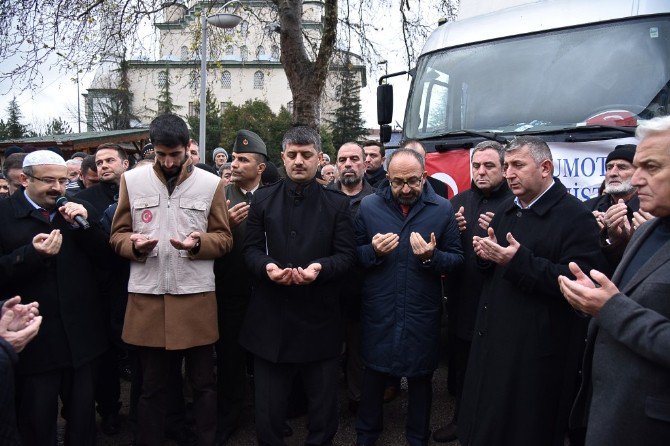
point(614, 209)
point(299, 246)
point(111, 162)
point(233, 282)
point(476, 206)
point(172, 222)
point(53, 260)
point(407, 237)
point(522, 369)
point(374, 162)
point(438, 186)
point(351, 166)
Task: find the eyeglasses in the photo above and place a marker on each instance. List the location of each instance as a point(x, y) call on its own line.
point(50, 181)
point(400, 183)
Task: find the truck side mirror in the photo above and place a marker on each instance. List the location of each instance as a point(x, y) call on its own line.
point(384, 104)
point(384, 133)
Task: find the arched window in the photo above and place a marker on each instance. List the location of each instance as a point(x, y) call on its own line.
point(260, 51)
point(184, 52)
point(259, 79)
point(162, 79)
point(244, 53)
point(275, 52)
point(225, 80)
point(244, 28)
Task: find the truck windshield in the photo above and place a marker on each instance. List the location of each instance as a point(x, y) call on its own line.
point(605, 74)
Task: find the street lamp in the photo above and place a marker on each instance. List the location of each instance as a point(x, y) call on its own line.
point(220, 21)
point(78, 98)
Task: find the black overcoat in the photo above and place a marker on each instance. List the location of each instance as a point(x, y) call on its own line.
point(464, 286)
point(72, 331)
point(293, 227)
point(523, 367)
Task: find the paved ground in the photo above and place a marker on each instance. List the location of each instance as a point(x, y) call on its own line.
point(394, 420)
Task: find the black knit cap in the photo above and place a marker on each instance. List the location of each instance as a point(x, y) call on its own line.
point(622, 152)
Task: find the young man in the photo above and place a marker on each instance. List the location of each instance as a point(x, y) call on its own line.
point(172, 222)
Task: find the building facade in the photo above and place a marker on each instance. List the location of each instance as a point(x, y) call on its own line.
point(243, 63)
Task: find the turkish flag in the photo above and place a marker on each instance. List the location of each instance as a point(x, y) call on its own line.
point(452, 168)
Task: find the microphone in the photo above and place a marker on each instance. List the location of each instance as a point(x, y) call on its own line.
point(81, 221)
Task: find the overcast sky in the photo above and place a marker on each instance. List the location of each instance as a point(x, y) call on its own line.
point(57, 95)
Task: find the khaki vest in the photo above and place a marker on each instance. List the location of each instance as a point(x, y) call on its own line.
point(161, 216)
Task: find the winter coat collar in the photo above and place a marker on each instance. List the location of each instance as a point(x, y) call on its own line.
point(552, 196)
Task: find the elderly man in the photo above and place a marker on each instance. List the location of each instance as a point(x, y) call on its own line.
point(616, 207)
point(624, 396)
point(299, 246)
point(407, 237)
point(52, 264)
point(525, 353)
point(234, 282)
point(476, 206)
point(172, 222)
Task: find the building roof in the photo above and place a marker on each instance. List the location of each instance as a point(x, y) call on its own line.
point(131, 140)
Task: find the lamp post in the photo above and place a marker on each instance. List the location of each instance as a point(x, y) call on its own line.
point(76, 66)
point(220, 21)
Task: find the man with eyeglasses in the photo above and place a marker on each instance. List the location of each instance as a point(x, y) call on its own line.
point(52, 265)
point(407, 237)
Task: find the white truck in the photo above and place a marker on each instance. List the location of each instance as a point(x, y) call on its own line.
point(577, 73)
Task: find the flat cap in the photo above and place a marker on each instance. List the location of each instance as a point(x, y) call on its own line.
point(249, 142)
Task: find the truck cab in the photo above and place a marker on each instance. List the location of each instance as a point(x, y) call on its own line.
point(579, 74)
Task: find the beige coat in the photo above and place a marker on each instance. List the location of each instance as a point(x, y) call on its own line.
point(173, 321)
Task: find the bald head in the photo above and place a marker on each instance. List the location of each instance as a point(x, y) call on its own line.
point(414, 145)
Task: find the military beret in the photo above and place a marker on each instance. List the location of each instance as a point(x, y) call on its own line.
point(249, 142)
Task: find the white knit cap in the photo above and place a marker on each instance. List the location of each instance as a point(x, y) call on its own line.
point(43, 157)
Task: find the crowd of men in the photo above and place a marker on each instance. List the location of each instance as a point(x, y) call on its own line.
point(558, 310)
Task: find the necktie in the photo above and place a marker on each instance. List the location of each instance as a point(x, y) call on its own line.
point(249, 195)
point(46, 214)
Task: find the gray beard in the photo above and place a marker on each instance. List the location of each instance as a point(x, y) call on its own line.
point(621, 189)
point(350, 181)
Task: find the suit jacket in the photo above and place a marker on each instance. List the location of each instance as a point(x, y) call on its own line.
point(294, 226)
point(625, 395)
point(72, 332)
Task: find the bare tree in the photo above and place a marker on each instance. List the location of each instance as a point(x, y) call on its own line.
point(84, 31)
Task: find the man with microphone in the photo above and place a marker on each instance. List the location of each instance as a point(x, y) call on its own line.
point(51, 263)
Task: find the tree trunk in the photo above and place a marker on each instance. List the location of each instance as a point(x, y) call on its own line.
point(306, 78)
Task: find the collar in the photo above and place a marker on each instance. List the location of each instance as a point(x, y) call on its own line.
point(37, 206)
point(549, 198)
point(518, 202)
point(186, 171)
point(244, 191)
point(500, 190)
point(294, 189)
